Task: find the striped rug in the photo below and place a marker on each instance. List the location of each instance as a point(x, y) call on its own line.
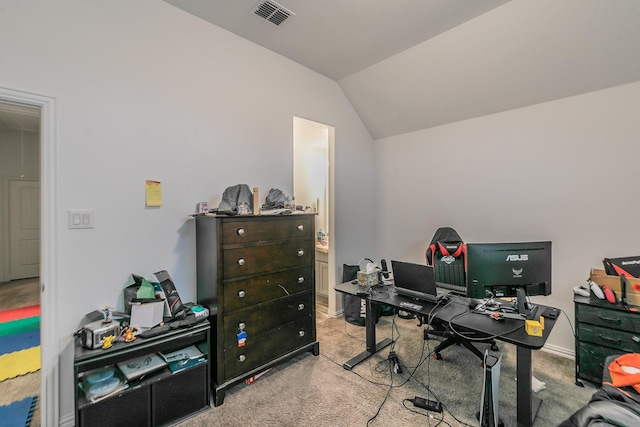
point(19, 341)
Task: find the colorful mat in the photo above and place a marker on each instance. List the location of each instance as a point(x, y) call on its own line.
point(19, 363)
point(19, 313)
point(19, 341)
point(18, 413)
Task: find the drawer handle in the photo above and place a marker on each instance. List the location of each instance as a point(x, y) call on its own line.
point(241, 261)
point(300, 252)
point(242, 358)
point(300, 227)
point(300, 279)
point(241, 294)
point(301, 333)
point(301, 306)
point(608, 319)
point(616, 340)
point(240, 231)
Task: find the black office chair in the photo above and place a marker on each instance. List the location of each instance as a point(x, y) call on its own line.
point(447, 254)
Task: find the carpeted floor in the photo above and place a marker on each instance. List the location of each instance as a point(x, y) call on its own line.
point(21, 293)
point(317, 391)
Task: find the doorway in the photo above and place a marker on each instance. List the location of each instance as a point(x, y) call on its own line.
point(313, 189)
point(27, 171)
point(20, 208)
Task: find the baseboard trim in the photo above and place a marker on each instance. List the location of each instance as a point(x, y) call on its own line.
point(68, 420)
point(336, 314)
point(559, 351)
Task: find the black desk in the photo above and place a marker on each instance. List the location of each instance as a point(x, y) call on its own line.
point(458, 313)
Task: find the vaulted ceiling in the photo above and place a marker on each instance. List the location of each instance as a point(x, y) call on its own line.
point(407, 65)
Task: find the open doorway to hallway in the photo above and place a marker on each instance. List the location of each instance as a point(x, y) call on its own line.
point(20, 213)
point(312, 144)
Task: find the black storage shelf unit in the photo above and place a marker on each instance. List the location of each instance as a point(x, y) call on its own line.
point(160, 398)
point(602, 330)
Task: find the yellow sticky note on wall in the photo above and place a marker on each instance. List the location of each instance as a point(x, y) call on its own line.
point(153, 193)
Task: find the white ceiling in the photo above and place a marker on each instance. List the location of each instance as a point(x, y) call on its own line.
point(407, 65)
point(339, 37)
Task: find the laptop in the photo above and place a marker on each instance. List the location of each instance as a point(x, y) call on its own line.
point(416, 281)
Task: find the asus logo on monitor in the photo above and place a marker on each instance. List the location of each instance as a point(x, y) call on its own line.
point(523, 257)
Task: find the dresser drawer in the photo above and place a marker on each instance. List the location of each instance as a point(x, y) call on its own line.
point(263, 317)
point(266, 229)
point(248, 261)
point(267, 347)
point(614, 319)
point(590, 360)
point(622, 340)
point(244, 293)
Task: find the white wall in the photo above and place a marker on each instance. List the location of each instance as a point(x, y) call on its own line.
point(565, 171)
point(146, 91)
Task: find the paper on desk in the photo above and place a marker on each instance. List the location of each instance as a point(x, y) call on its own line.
point(147, 315)
point(146, 290)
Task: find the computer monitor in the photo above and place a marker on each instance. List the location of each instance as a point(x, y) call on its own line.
point(500, 269)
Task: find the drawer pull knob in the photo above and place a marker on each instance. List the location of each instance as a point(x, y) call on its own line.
point(300, 306)
point(241, 294)
point(241, 261)
point(300, 279)
point(300, 252)
point(301, 333)
point(241, 326)
point(300, 227)
point(242, 358)
point(240, 231)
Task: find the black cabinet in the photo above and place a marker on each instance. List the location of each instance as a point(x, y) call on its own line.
point(256, 275)
point(159, 398)
point(602, 329)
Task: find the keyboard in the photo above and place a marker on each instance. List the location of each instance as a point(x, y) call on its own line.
point(410, 305)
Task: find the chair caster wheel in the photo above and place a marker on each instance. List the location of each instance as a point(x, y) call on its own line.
point(437, 356)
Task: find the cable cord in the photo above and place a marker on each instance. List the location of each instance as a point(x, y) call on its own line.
point(479, 339)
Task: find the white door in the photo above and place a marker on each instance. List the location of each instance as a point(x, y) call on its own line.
point(24, 229)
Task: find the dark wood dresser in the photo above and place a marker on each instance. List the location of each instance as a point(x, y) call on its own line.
point(256, 275)
point(602, 329)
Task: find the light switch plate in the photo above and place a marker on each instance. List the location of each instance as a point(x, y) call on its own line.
point(80, 218)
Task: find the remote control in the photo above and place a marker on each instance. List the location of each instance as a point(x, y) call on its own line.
point(579, 290)
point(597, 291)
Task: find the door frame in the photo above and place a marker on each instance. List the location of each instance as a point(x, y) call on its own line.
point(49, 351)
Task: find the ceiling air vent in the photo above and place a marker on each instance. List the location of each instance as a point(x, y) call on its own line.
point(273, 12)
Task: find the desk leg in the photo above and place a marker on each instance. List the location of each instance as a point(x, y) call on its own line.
point(370, 334)
point(528, 404)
